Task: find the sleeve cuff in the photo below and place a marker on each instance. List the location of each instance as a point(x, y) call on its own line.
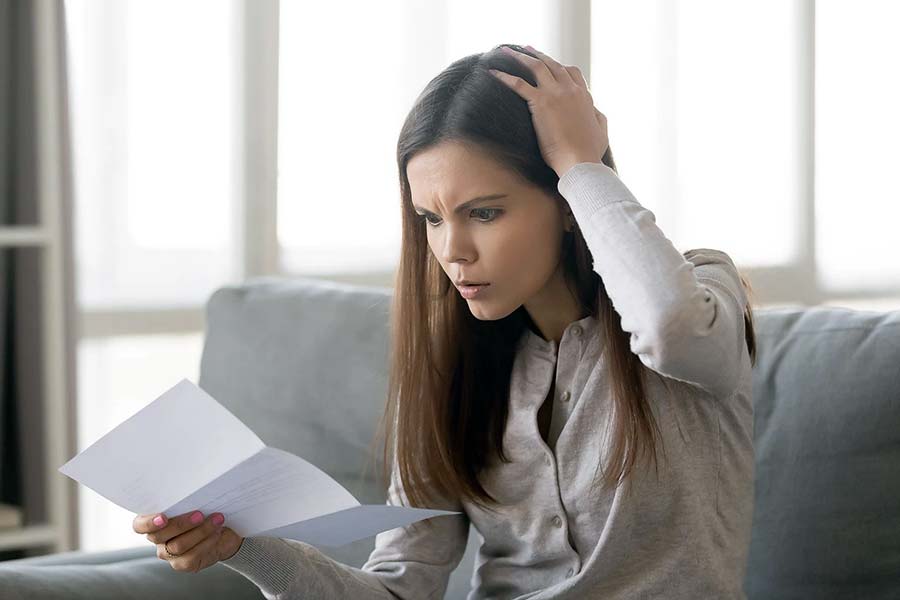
point(592, 186)
point(268, 562)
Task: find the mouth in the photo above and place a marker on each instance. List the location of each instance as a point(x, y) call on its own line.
point(470, 291)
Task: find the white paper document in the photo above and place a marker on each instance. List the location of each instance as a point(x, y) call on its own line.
point(184, 451)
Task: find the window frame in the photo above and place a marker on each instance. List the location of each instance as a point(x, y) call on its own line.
point(256, 30)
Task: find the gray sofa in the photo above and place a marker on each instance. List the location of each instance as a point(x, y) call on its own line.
point(303, 362)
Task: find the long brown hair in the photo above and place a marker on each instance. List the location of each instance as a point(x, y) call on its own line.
point(449, 376)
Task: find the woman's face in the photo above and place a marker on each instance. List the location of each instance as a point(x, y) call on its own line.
point(512, 241)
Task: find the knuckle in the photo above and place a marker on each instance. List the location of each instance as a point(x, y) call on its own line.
point(160, 552)
point(155, 538)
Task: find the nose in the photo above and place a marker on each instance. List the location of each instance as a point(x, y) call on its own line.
point(456, 245)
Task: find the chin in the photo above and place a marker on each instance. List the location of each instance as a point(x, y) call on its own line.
point(485, 312)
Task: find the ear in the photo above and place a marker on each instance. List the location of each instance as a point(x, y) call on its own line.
point(565, 213)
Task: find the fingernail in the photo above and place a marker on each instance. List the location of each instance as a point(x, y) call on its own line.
point(530, 48)
point(218, 519)
point(159, 520)
point(197, 517)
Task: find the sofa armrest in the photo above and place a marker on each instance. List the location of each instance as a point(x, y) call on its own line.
point(80, 557)
point(134, 579)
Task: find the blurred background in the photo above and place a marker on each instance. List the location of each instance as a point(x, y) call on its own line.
point(156, 150)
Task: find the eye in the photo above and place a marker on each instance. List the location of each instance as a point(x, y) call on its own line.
point(492, 211)
point(495, 212)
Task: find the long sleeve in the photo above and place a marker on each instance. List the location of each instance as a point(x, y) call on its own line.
point(684, 311)
point(413, 562)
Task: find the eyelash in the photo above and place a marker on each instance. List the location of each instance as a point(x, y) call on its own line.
point(496, 211)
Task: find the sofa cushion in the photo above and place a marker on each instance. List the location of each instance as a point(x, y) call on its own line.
point(826, 393)
point(140, 579)
point(303, 362)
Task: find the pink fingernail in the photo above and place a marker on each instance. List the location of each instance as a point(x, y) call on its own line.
point(218, 519)
point(159, 521)
point(197, 517)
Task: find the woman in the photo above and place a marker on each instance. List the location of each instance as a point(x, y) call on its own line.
point(534, 402)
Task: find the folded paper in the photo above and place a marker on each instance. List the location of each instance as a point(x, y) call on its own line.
point(184, 451)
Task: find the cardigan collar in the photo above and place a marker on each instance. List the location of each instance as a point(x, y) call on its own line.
point(586, 328)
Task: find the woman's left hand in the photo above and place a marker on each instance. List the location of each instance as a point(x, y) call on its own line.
point(569, 129)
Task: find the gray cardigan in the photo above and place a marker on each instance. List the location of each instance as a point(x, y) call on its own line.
point(682, 532)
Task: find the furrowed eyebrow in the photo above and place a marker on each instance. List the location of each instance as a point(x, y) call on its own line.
point(467, 204)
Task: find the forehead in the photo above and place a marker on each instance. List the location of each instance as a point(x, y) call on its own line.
point(454, 172)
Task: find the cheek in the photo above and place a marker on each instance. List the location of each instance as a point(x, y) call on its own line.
point(524, 253)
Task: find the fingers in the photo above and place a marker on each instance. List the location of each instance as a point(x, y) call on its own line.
point(577, 76)
point(183, 543)
point(539, 68)
point(524, 89)
point(560, 74)
point(545, 69)
point(200, 556)
point(149, 523)
point(176, 526)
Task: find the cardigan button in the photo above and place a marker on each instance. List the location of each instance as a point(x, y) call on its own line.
point(570, 572)
point(565, 396)
point(557, 522)
point(577, 330)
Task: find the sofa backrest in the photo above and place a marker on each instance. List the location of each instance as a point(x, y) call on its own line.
point(304, 363)
point(826, 399)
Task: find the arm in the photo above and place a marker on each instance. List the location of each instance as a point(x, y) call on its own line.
point(684, 312)
point(406, 563)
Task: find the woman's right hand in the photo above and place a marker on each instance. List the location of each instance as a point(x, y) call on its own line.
point(189, 542)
